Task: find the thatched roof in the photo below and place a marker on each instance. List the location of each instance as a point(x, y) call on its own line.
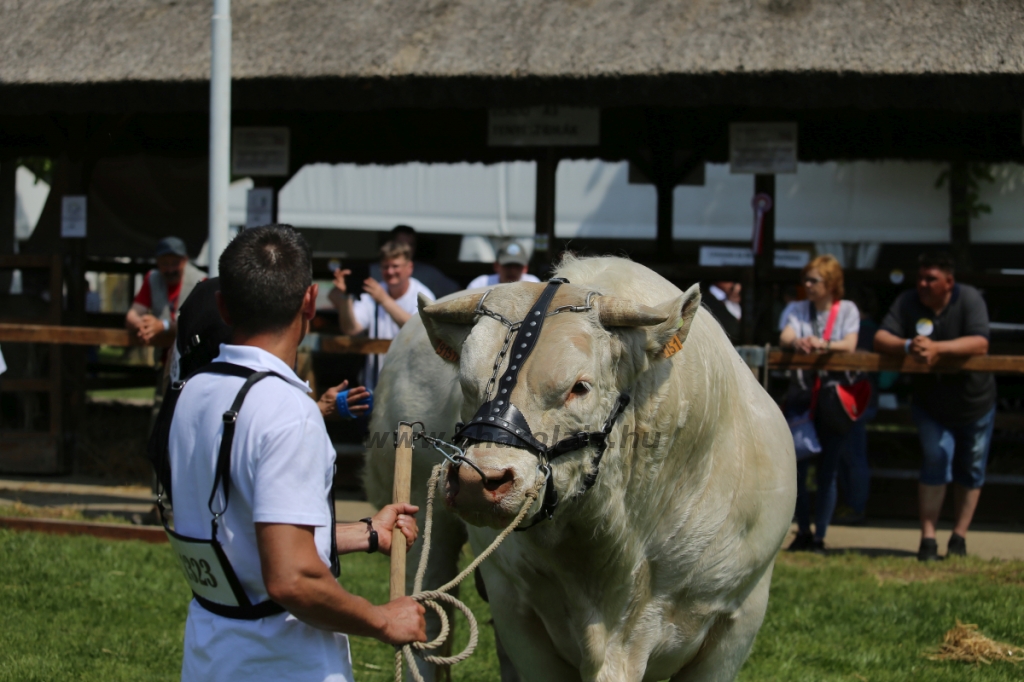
point(104, 41)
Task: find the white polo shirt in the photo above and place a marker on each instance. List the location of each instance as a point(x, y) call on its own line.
point(494, 278)
point(282, 466)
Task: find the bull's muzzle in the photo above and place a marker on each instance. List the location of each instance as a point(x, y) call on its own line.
point(468, 492)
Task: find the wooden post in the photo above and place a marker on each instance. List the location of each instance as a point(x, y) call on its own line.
point(666, 209)
point(544, 214)
point(960, 216)
point(8, 199)
point(400, 494)
point(761, 300)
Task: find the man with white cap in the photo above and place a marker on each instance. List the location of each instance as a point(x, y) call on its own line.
point(511, 266)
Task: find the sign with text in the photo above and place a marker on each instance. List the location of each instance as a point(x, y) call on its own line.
point(718, 256)
point(72, 217)
point(260, 152)
point(762, 148)
point(551, 126)
point(259, 207)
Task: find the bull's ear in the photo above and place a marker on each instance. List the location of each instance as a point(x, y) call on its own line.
point(448, 323)
point(666, 339)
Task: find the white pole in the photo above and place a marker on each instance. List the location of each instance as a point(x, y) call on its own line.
point(220, 130)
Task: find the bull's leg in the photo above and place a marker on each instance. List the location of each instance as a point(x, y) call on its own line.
point(523, 636)
point(449, 536)
point(728, 643)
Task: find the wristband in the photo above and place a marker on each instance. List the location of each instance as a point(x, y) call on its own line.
point(906, 346)
point(374, 540)
point(341, 404)
point(167, 325)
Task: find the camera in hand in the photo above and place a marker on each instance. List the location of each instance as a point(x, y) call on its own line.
point(354, 280)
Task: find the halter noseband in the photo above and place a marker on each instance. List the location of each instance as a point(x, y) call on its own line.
point(499, 421)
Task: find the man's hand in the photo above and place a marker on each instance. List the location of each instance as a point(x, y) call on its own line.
point(148, 329)
point(924, 350)
point(401, 516)
point(328, 402)
point(339, 279)
point(404, 622)
point(375, 290)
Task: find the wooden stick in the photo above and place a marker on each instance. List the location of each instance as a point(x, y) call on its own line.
point(400, 495)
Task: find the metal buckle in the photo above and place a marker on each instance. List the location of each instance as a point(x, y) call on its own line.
point(230, 417)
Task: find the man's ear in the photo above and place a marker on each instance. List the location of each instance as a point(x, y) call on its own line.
point(666, 339)
point(448, 323)
point(309, 302)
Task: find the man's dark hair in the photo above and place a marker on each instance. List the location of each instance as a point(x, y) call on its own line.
point(264, 273)
point(937, 259)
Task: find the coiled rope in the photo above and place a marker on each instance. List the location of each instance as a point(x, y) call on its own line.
point(432, 599)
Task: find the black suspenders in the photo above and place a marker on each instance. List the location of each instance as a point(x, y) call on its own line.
point(201, 573)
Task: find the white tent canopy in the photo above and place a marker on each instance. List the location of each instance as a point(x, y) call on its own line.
point(831, 202)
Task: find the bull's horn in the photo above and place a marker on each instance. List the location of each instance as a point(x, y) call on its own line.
point(460, 310)
point(621, 312)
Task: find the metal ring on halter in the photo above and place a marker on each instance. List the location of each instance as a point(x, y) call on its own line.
point(458, 459)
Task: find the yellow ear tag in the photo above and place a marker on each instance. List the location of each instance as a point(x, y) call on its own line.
point(446, 352)
point(673, 346)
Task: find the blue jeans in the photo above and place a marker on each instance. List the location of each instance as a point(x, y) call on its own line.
point(854, 472)
point(954, 453)
point(832, 447)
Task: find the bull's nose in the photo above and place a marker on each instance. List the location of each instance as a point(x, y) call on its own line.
point(467, 489)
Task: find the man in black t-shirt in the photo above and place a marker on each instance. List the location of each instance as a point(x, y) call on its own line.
point(954, 413)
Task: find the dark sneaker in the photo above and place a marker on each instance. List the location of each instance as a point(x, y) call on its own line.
point(804, 542)
point(818, 547)
point(957, 546)
point(929, 550)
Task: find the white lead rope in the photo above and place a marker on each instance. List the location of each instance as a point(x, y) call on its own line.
point(433, 598)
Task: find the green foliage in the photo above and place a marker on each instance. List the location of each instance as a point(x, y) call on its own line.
point(40, 167)
point(970, 176)
point(78, 608)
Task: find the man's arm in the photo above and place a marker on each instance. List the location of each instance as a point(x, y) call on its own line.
point(297, 579)
point(355, 537)
point(888, 343)
point(928, 351)
point(343, 304)
point(381, 296)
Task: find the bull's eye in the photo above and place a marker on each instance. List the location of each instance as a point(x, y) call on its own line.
point(581, 388)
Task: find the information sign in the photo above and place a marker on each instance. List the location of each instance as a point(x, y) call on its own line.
point(259, 207)
point(260, 152)
point(550, 126)
point(72, 217)
point(762, 148)
point(712, 256)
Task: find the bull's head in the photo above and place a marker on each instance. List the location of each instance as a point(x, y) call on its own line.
point(584, 359)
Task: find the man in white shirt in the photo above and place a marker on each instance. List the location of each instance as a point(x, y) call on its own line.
point(383, 307)
point(277, 530)
point(511, 266)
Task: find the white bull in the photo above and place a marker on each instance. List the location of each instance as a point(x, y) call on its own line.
point(662, 569)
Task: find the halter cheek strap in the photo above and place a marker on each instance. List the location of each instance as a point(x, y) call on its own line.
point(499, 421)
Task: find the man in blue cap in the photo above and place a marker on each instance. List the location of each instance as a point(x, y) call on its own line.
point(154, 312)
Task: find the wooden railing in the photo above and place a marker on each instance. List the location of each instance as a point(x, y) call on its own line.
point(359, 345)
point(100, 336)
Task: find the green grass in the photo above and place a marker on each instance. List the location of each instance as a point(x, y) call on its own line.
point(140, 393)
point(85, 609)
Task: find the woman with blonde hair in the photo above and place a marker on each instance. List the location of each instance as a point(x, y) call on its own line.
point(824, 322)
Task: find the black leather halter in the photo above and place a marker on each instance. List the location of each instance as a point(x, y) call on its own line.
point(499, 421)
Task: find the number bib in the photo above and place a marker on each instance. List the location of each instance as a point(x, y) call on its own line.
point(207, 570)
